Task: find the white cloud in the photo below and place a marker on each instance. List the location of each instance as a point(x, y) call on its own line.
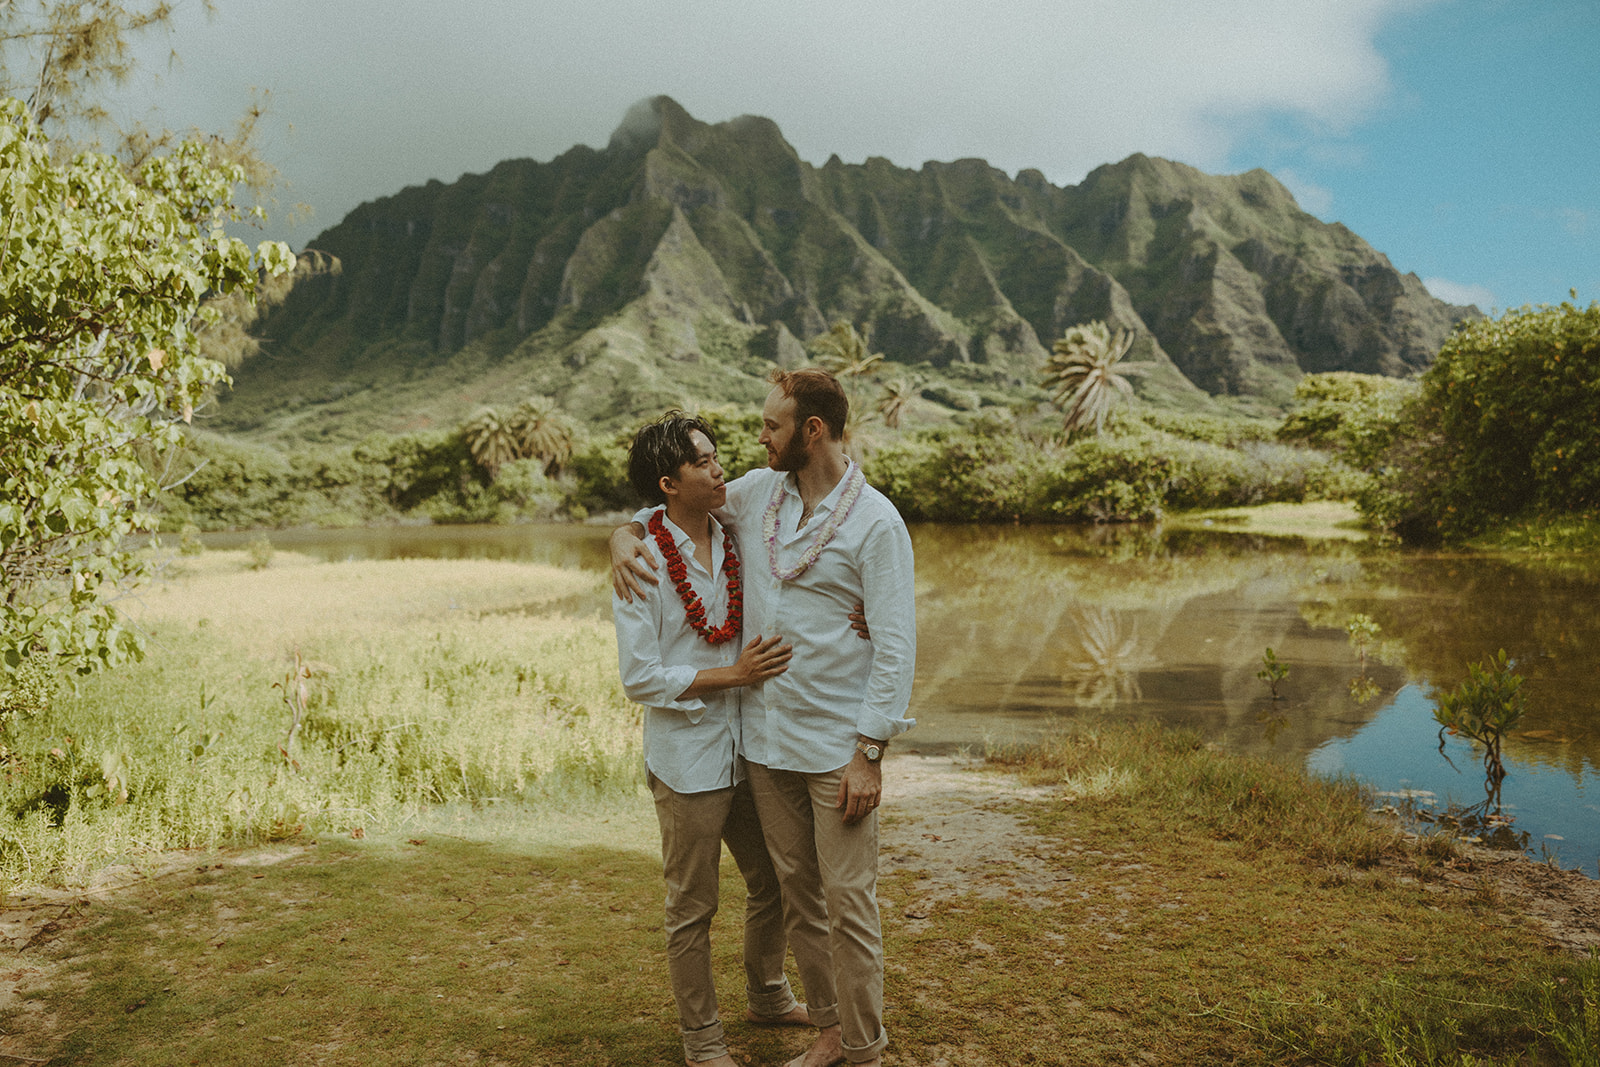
point(385, 93)
point(1461, 293)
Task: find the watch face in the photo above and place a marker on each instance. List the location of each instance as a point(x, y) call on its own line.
point(872, 752)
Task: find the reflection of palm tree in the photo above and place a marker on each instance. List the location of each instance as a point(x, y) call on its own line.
point(1084, 375)
point(1109, 672)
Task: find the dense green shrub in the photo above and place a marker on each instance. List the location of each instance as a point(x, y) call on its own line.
point(992, 473)
point(982, 474)
point(1355, 415)
point(1229, 432)
point(1503, 428)
point(227, 484)
point(598, 477)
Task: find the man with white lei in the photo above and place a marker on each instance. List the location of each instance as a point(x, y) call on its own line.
point(814, 736)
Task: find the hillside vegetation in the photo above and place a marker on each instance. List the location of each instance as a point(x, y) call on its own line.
point(679, 263)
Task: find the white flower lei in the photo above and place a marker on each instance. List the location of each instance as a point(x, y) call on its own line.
point(854, 481)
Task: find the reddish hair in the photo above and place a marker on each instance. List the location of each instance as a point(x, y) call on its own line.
point(814, 392)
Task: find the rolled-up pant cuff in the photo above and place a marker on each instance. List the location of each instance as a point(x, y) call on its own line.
point(824, 1016)
point(707, 1043)
point(868, 1052)
point(773, 1004)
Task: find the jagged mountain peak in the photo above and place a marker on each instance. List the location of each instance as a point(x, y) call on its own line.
point(687, 254)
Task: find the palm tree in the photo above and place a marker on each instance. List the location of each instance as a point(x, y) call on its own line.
point(490, 441)
point(1086, 376)
point(842, 352)
point(892, 401)
point(543, 432)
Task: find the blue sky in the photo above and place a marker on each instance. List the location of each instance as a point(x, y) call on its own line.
point(1459, 137)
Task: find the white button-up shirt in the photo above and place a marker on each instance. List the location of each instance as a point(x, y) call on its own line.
point(691, 745)
point(837, 685)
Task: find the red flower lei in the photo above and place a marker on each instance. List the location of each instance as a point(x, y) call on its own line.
point(693, 610)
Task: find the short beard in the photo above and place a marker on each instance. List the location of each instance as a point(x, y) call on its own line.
point(794, 456)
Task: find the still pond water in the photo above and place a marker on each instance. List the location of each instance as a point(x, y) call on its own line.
point(1019, 628)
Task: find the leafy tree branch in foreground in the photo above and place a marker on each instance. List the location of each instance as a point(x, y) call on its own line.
point(102, 277)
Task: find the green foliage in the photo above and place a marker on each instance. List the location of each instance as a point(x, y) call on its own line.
point(260, 552)
point(1272, 672)
point(543, 432)
point(490, 440)
point(981, 475)
point(189, 543)
point(992, 472)
point(1484, 708)
point(1503, 428)
point(894, 397)
point(1228, 432)
point(102, 276)
point(1355, 415)
point(599, 476)
point(738, 433)
point(230, 484)
point(28, 690)
point(843, 353)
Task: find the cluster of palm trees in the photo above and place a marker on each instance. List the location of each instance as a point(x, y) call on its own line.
point(536, 429)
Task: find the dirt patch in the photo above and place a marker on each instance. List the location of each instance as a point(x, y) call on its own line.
point(956, 828)
point(1566, 904)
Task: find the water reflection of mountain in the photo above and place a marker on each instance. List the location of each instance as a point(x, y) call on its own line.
point(1017, 625)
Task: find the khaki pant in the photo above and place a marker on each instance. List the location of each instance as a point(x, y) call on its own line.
point(693, 828)
point(829, 873)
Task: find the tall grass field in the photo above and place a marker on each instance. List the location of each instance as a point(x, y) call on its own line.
point(281, 696)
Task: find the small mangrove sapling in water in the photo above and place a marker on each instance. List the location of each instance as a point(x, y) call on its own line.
point(1362, 629)
point(1484, 708)
point(1272, 672)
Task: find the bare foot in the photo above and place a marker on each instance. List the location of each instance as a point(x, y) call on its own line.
point(723, 1060)
point(827, 1050)
point(796, 1016)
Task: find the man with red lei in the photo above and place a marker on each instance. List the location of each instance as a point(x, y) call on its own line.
point(680, 655)
point(813, 736)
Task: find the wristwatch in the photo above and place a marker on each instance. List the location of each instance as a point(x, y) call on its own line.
point(870, 749)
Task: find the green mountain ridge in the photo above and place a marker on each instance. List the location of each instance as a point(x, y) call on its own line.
point(681, 261)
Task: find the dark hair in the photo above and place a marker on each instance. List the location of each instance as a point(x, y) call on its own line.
point(660, 448)
point(814, 392)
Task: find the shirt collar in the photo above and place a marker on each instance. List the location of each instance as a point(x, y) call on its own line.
point(685, 543)
point(791, 484)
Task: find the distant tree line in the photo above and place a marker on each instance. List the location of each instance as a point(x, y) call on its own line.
point(1499, 428)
